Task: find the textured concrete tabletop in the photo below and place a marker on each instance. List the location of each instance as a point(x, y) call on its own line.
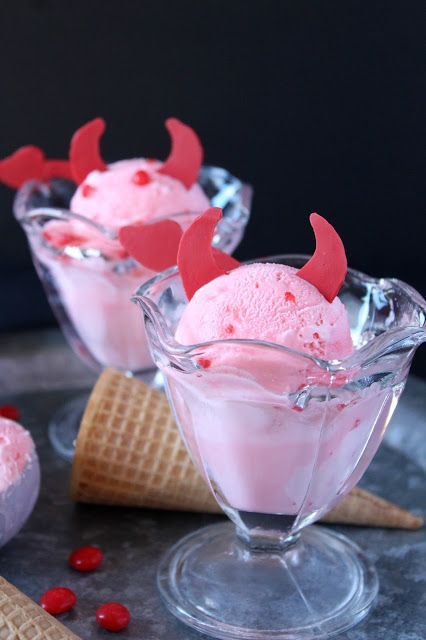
point(133, 540)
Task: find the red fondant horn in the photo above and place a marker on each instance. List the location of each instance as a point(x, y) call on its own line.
point(30, 163)
point(186, 155)
point(198, 262)
point(24, 164)
point(84, 150)
point(327, 268)
point(57, 169)
point(154, 245)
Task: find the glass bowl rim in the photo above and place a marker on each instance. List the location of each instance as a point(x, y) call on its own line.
point(372, 350)
point(30, 216)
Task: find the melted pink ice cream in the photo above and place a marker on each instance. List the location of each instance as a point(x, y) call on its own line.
point(267, 302)
point(263, 454)
point(97, 301)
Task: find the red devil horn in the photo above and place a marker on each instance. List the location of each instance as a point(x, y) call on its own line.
point(84, 150)
point(24, 164)
point(196, 257)
point(186, 155)
point(327, 268)
point(57, 169)
point(154, 245)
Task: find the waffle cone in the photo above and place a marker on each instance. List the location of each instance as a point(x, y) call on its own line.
point(22, 619)
point(363, 508)
point(129, 453)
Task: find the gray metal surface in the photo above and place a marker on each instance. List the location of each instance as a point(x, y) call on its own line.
point(133, 541)
point(36, 360)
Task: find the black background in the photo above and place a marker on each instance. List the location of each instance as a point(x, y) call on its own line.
point(318, 104)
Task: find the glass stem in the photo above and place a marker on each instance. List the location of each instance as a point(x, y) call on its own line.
point(266, 540)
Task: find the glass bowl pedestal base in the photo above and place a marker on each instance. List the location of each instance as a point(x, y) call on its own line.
point(315, 585)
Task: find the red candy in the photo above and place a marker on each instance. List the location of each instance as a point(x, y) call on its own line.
point(198, 262)
point(154, 245)
point(113, 616)
point(58, 600)
point(327, 268)
point(9, 411)
point(85, 558)
point(204, 362)
point(87, 190)
point(62, 239)
point(141, 178)
point(84, 150)
point(186, 155)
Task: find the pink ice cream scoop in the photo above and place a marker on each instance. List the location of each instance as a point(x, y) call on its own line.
point(267, 302)
point(130, 191)
point(19, 478)
point(134, 191)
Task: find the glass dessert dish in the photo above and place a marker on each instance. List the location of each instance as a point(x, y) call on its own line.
point(280, 438)
point(19, 478)
point(89, 288)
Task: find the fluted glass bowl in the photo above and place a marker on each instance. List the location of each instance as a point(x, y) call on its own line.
point(280, 439)
point(89, 288)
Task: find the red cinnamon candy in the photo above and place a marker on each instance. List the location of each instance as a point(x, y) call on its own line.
point(84, 150)
point(186, 155)
point(154, 245)
point(327, 268)
point(30, 163)
point(198, 262)
point(10, 411)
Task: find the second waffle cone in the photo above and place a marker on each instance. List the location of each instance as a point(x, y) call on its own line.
point(129, 453)
point(22, 619)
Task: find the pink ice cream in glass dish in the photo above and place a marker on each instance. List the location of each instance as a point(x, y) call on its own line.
point(19, 478)
point(73, 212)
point(283, 375)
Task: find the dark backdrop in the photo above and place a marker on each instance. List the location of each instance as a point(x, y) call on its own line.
point(318, 104)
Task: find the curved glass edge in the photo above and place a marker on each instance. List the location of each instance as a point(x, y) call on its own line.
point(399, 337)
point(222, 188)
